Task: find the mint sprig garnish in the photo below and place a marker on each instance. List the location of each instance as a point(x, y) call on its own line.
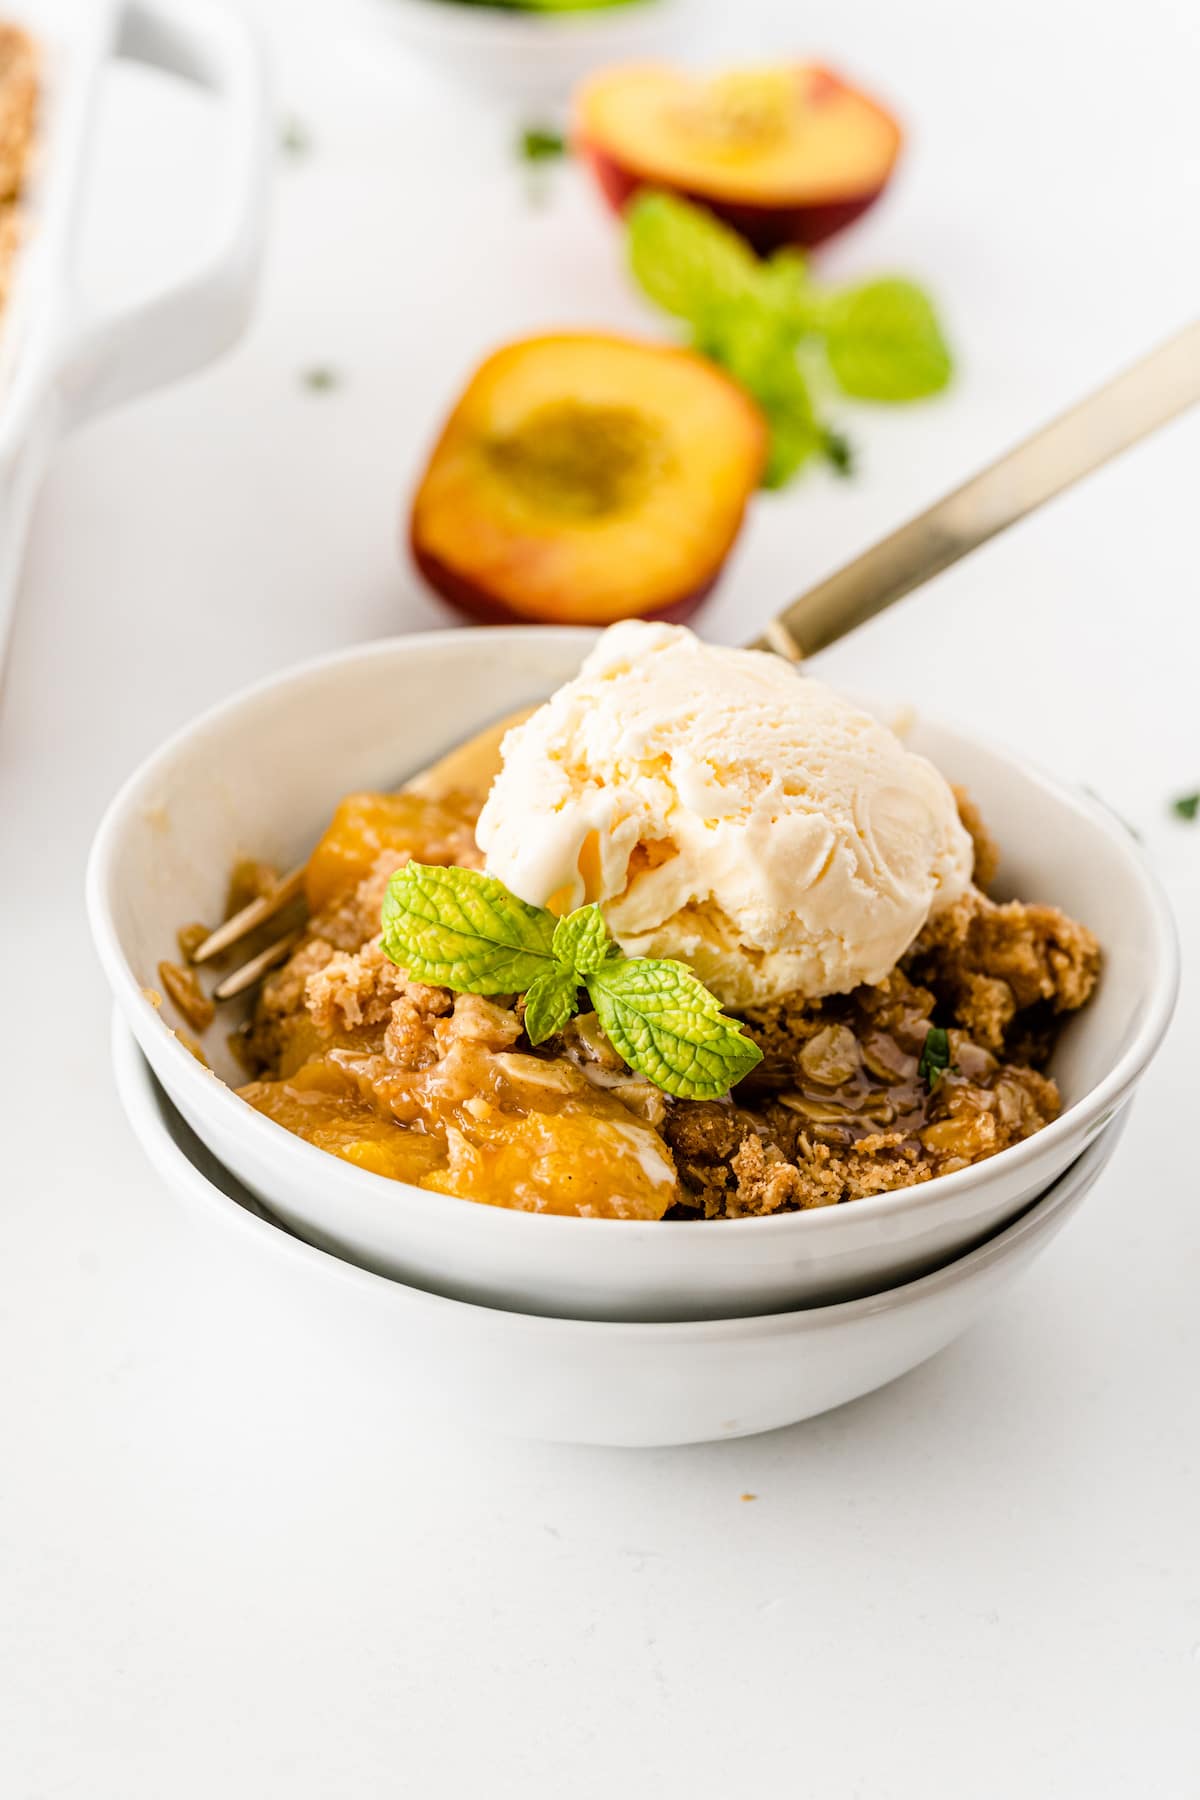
point(550, 1002)
point(781, 336)
point(669, 1027)
point(459, 929)
point(581, 940)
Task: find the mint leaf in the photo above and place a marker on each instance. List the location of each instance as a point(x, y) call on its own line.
point(935, 1056)
point(757, 349)
point(550, 1002)
point(686, 261)
point(794, 441)
point(796, 432)
point(458, 929)
point(884, 342)
point(753, 346)
point(669, 1027)
point(785, 287)
point(1186, 806)
point(582, 940)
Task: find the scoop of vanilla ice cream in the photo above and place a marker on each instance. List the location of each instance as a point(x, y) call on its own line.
point(726, 811)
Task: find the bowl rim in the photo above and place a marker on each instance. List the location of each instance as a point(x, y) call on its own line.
point(144, 1101)
point(502, 27)
point(304, 1158)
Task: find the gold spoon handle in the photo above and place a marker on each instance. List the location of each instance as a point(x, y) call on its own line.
point(1124, 410)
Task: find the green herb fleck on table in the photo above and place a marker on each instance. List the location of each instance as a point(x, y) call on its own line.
point(541, 144)
point(458, 929)
point(320, 379)
point(1186, 806)
point(838, 452)
point(935, 1056)
point(294, 138)
point(784, 338)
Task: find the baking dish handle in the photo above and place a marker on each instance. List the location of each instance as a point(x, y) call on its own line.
point(126, 352)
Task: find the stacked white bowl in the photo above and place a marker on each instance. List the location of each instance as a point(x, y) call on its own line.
point(589, 1330)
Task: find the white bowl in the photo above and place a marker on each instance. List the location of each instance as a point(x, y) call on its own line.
point(263, 772)
point(532, 56)
point(571, 1381)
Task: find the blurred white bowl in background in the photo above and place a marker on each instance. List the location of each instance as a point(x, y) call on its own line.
point(533, 57)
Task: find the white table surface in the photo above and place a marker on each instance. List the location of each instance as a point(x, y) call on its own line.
point(225, 1569)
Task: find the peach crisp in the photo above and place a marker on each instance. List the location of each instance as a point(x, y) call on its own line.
point(940, 1064)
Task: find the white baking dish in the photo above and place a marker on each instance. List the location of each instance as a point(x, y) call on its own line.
point(61, 359)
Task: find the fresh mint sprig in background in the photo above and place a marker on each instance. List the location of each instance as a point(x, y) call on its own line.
point(783, 337)
point(459, 929)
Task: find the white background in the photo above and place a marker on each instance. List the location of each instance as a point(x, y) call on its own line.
point(232, 1565)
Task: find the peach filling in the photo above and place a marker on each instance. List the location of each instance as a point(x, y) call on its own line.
point(443, 1091)
point(424, 1086)
point(482, 1122)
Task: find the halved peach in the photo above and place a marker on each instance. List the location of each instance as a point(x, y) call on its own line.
point(786, 155)
point(584, 479)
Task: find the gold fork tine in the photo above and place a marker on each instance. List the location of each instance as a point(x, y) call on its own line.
point(258, 966)
point(466, 768)
point(251, 917)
